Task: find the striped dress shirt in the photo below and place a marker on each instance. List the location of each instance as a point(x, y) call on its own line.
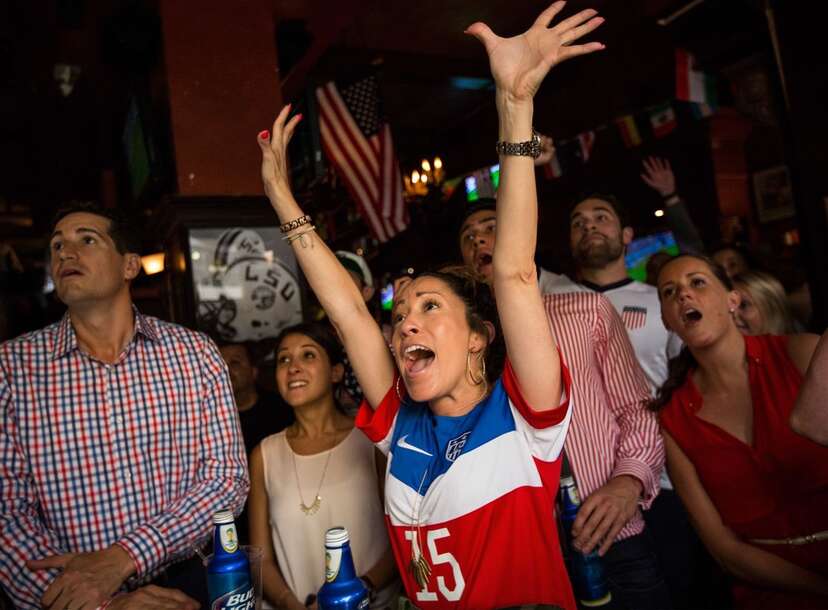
point(612, 433)
point(139, 453)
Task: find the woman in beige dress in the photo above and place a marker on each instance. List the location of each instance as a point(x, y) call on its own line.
point(318, 473)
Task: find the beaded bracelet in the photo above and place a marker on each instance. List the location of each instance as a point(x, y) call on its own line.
point(292, 238)
point(295, 224)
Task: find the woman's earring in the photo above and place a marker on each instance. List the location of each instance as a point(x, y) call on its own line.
point(475, 380)
point(397, 388)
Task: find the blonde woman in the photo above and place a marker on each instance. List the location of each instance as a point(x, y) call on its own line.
point(763, 309)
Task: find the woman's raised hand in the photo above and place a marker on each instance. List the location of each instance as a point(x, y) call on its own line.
point(519, 64)
point(274, 153)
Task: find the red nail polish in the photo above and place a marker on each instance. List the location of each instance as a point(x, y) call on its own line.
point(264, 134)
point(299, 117)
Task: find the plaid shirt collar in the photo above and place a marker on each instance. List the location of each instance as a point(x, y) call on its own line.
point(66, 340)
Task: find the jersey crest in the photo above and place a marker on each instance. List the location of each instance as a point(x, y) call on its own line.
point(455, 446)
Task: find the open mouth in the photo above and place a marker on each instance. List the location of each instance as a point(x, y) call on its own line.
point(483, 259)
point(296, 384)
point(69, 273)
point(417, 358)
point(691, 316)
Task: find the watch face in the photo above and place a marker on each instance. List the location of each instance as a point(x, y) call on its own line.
point(535, 146)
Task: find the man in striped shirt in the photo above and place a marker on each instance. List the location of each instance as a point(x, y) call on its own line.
point(613, 445)
point(119, 438)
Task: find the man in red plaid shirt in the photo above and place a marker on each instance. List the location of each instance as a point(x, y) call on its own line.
point(119, 438)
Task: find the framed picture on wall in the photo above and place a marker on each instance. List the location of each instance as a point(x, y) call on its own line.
point(231, 273)
point(245, 282)
point(774, 197)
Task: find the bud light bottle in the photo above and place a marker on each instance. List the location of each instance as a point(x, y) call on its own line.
point(342, 590)
point(228, 573)
point(586, 571)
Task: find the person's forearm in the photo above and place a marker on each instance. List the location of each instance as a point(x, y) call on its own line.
point(810, 413)
point(640, 448)
point(25, 587)
point(755, 565)
point(684, 229)
point(330, 282)
point(517, 213)
point(274, 587)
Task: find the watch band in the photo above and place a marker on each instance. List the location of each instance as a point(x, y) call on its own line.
point(530, 148)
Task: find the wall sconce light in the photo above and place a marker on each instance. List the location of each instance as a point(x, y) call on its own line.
point(430, 174)
point(153, 263)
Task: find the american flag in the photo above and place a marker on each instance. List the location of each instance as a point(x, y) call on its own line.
point(358, 142)
point(634, 317)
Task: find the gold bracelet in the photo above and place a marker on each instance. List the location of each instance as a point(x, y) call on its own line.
point(292, 238)
point(295, 223)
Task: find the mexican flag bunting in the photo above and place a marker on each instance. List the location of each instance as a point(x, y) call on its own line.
point(663, 120)
point(693, 84)
point(629, 131)
point(701, 111)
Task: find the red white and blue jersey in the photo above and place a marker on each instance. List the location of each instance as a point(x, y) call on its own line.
point(476, 494)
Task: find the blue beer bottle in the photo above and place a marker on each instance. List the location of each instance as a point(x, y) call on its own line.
point(228, 573)
point(343, 590)
point(586, 571)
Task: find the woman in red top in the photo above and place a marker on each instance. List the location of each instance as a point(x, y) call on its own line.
point(756, 492)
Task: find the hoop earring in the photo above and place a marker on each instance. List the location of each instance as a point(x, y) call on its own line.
point(482, 378)
point(397, 388)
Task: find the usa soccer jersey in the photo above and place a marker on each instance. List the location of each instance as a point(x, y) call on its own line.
point(476, 495)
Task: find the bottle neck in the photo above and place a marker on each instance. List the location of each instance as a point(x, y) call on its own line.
point(225, 540)
point(339, 564)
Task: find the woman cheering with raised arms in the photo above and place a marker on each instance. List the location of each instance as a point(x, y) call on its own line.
point(475, 441)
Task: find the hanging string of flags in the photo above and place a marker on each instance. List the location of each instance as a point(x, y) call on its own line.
point(692, 86)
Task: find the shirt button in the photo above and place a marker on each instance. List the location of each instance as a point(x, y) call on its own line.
point(127, 475)
point(119, 420)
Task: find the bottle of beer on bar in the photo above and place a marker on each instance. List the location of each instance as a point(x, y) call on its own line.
point(586, 571)
point(343, 590)
point(228, 573)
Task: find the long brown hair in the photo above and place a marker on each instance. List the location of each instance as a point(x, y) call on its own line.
point(679, 367)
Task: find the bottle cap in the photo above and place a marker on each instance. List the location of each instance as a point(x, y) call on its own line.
point(336, 537)
point(567, 482)
point(222, 516)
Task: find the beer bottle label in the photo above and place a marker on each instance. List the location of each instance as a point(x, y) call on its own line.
point(333, 559)
point(573, 494)
point(237, 599)
point(229, 540)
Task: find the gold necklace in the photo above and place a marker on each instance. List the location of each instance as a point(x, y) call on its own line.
point(418, 565)
point(313, 508)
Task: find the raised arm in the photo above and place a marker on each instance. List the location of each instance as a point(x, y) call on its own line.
point(659, 176)
point(810, 413)
point(519, 65)
point(329, 280)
